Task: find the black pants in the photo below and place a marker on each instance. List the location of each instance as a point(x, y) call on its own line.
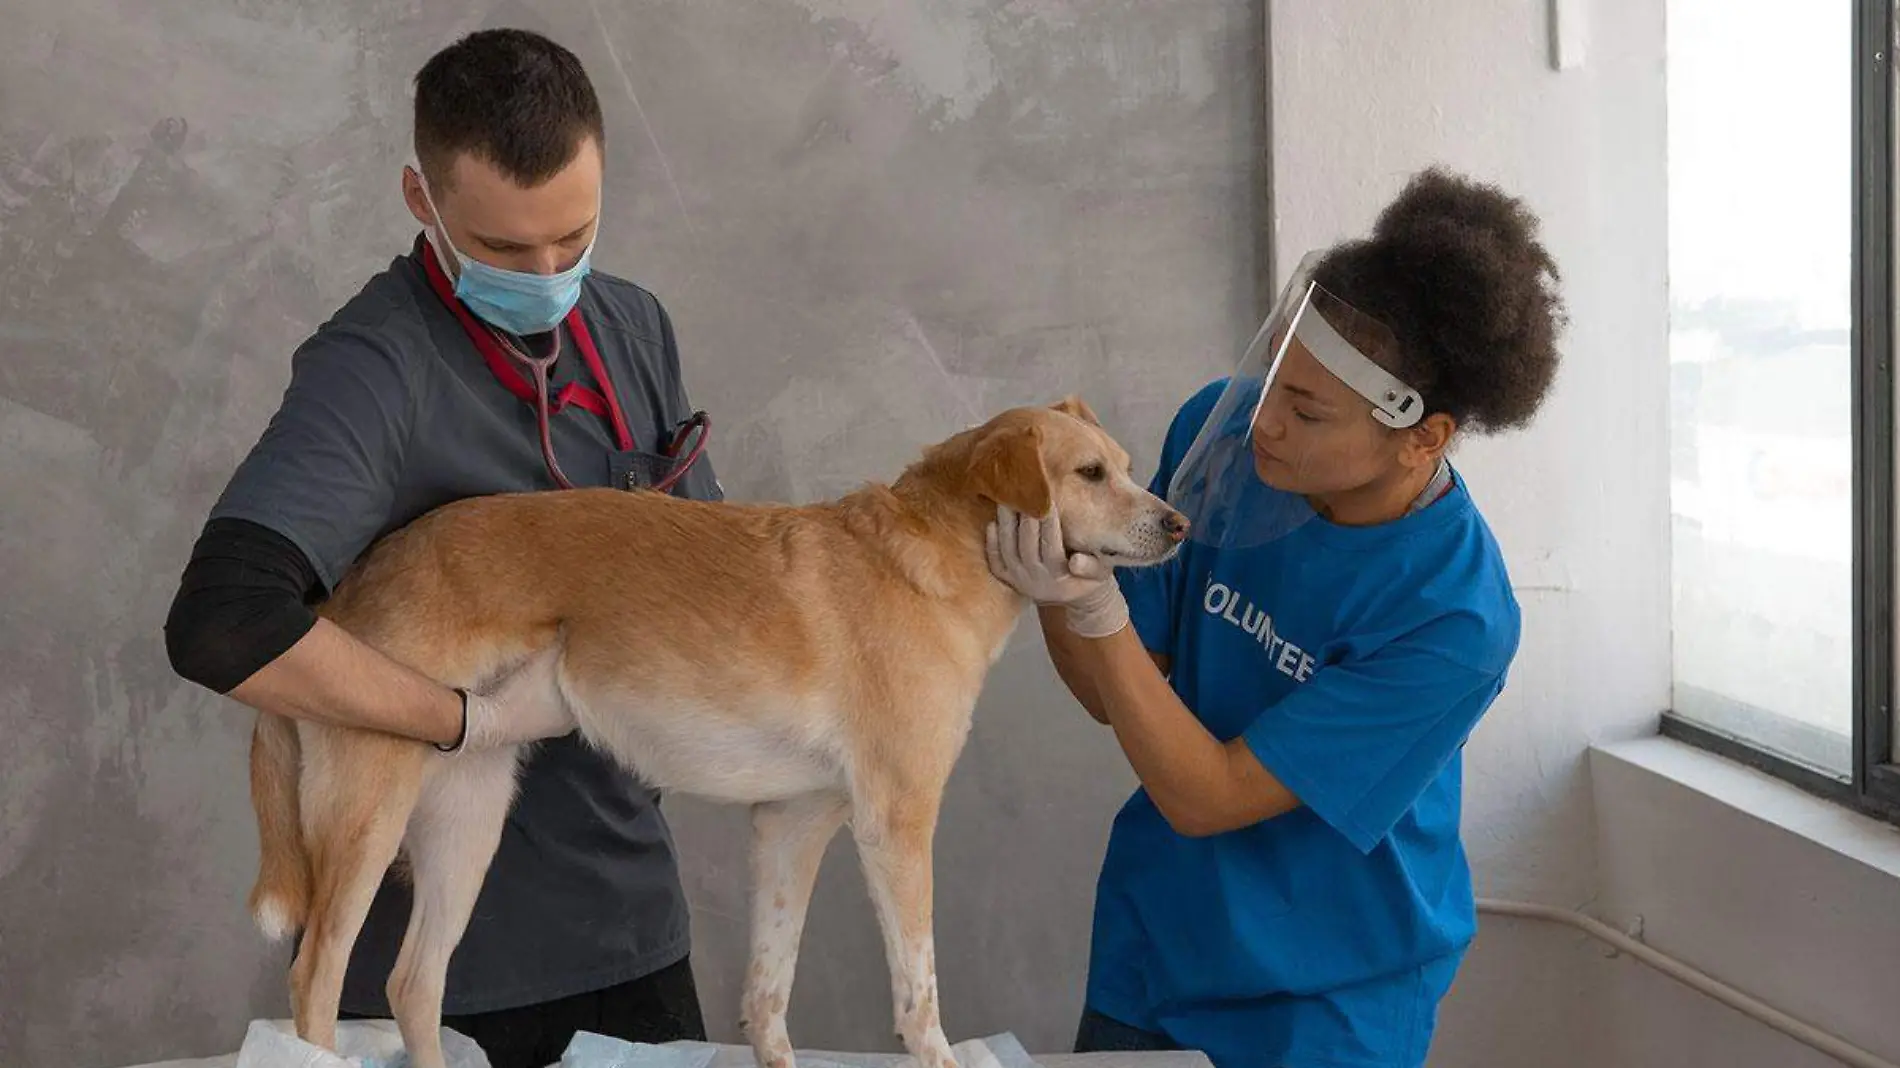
point(1101, 1034)
point(662, 1007)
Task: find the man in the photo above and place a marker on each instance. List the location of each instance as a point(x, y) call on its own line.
point(408, 398)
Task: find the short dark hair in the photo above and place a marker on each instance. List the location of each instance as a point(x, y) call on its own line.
point(511, 98)
point(1455, 271)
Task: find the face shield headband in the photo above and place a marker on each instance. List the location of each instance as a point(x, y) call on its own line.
point(1217, 484)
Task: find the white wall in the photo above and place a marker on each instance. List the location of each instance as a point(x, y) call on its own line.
point(1779, 894)
point(1363, 95)
point(1784, 895)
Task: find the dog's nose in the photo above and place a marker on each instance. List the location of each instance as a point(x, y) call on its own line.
point(1175, 524)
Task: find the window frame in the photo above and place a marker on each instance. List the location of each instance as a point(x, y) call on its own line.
point(1873, 787)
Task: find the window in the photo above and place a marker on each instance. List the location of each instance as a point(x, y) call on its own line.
point(1781, 236)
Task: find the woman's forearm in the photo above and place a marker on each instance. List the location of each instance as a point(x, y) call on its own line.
point(1201, 785)
point(1064, 646)
point(1173, 755)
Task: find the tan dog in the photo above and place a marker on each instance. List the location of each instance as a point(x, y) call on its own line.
point(817, 663)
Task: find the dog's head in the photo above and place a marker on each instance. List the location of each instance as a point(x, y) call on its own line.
point(1034, 458)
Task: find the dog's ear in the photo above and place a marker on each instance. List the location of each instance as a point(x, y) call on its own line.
point(1073, 405)
point(1006, 467)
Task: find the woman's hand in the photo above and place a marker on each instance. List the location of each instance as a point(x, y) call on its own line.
point(1027, 554)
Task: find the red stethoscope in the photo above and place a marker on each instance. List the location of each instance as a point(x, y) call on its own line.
point(502, 354)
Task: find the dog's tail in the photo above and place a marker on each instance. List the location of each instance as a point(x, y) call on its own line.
point(280, 901)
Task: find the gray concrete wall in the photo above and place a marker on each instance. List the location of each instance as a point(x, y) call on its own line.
point(873, 223)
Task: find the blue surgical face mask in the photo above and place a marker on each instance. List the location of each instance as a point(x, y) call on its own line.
point(519, 302)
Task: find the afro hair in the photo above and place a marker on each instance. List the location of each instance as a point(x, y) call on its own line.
point(1454, 269)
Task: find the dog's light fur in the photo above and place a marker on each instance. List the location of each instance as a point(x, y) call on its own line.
point(817, 663)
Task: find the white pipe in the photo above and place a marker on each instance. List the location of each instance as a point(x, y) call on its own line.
point(1807, 1034)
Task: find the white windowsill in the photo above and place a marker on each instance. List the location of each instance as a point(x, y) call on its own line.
point(1760, 796)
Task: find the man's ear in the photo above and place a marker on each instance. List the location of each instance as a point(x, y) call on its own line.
point(1073, 405)
point(1006, 467)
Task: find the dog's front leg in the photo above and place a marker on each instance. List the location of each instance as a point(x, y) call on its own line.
point(788, 843)
point(894, 830)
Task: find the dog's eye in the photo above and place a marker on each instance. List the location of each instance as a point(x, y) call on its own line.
point(1093, 472)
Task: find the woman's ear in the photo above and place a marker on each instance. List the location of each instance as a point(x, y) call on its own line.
point(1427, 441)
point(1006, 467)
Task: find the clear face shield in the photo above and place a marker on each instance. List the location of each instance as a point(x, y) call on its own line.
point(1303, 406)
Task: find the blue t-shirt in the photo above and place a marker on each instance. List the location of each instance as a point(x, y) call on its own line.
point(1354, 661)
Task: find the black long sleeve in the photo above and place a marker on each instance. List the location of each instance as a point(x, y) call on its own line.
point(245, 597)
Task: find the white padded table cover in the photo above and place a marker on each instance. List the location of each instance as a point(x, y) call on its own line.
point(376, 1044)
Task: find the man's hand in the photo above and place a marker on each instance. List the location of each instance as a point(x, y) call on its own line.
point(524, 706)
point(1027, 554)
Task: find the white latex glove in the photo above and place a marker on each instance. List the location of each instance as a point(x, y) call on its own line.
point(1027, 553)
point(525, 706)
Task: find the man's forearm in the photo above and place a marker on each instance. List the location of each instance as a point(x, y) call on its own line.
point(330, 677)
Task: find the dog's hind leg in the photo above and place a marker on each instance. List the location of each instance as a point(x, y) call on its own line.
point(788, 844)
point(280, 899)
point(895, 827)
point(451, 840)
point(357, 790)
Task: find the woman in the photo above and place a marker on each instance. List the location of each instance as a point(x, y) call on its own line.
point(1288, 888)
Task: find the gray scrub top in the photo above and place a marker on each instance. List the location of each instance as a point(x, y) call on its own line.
point(391, 411)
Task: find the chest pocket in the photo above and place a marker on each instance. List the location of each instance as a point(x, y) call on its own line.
point(636, 469)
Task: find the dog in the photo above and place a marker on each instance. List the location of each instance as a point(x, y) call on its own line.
point(818, 663)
